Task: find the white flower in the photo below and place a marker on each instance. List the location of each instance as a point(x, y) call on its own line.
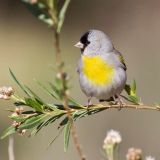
point(149, 158)
point(112, 138)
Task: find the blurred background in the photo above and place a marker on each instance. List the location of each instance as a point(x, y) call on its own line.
point(26, 46)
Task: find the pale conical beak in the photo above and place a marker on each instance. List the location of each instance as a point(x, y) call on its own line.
point(79, 45)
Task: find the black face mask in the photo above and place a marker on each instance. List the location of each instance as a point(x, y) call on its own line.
point(84, 41)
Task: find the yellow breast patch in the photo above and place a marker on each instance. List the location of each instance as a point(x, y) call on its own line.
point(97, 70)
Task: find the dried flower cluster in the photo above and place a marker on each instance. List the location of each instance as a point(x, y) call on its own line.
point(6, 92)
point(18, 111)
point(134, 154)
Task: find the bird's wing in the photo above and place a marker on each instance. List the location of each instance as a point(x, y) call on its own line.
point(121, 58)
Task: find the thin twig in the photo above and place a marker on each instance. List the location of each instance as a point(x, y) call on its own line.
point(65, 97)
point(57, 49)
point(126, 106)
point(11, 148)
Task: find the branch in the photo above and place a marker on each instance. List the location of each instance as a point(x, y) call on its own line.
point(116, 106)
point(128, 106)
point(64, 94)
point(11, 148)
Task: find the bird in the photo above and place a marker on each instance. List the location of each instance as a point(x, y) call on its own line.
point(101, 68)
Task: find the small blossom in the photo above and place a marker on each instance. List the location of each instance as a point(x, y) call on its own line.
point(59, 75)
point(67, 92)
point(6, 92)
point(16, 124)
point(62, 75)
point(112, 138)
point(134, 154)
point(22, 132)
point(149, 158)
point(19, 110)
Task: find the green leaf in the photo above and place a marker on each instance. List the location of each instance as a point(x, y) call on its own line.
point(19, 103)
point(28, 112)
point(63, 122)
point(34, 104)
point(39, 10)
point(56, 89)
point(132, 95)
point(25, 89)
point(67, 131)
point(62, 15)
point(20, 85)
point(52, 106)
point(75, 103)
point(94, 111)
point(34, 95)
point(134, 99)
point(134, 87)
point(53, 94)
point(131, 90)
point(59, 133)
point(41, 125)
point(8, 132)
point(75, 116)
point(80, 114)
point(33, 121)
point(18, 118)
point(46, 20)
point(128, 89)
point(49, 120)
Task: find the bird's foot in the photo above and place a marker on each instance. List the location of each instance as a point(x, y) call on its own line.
point(89, 103)
point(120, 102)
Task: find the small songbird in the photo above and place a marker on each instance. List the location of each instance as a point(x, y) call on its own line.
point(101, 68)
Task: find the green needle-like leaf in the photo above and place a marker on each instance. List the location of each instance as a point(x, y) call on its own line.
point(67, 131)
point(39, 10)
point(20, 85)
point(18, 118)
point(53, 94)
point(134, 86)
point(34, 104)
point(8, 132)
point(62, 15)
point(34, 95)
point(75, 103)
point(59, 133)
point(32, 122)
point(128, 89)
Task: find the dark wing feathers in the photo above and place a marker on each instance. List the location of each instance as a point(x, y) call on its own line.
point(121, 58)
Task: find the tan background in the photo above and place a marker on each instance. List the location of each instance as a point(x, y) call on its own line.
point(26, 45)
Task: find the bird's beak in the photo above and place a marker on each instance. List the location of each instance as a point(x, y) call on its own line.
point(79, 45)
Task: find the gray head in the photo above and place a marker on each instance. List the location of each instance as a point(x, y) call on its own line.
point(94, 42)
